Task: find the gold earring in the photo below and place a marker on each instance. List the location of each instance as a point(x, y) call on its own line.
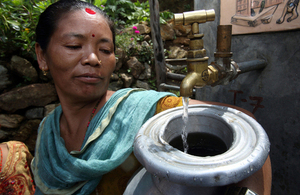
point(44, 72)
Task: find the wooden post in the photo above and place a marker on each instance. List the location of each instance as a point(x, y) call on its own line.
point(159, 57)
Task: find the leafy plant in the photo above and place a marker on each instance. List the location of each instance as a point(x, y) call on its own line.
point(134, 45)
point(146, 53)
point(125, 12)
point(98, 3)
point(142, 12)
point(119, 10)
point(165, 16)
point(127, 43)
point(18, 19)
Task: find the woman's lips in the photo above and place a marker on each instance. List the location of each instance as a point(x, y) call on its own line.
point(89, 78)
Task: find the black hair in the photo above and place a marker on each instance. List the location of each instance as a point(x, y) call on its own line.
point(50, 17)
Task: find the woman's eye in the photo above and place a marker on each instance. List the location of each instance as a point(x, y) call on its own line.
point(105, 51)
point(73, 47)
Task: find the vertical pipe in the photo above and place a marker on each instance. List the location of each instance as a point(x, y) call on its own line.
point(195, 28)
point(224, 38)
point(223, 53)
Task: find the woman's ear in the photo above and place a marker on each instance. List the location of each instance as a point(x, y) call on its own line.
point(40, 56)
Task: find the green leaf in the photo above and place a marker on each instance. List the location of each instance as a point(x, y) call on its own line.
point(13, 22)
point(162, 21)
point(98, 3)
point(17, 2)
point(113, 8)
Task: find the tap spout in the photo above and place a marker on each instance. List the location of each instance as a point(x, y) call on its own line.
point(188, 83)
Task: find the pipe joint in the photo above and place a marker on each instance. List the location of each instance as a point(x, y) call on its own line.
point(226, 72)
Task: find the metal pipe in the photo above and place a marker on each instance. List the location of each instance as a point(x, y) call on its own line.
point(223, 51)
point(251, 65)
point(174, 76)
point(172, 87)
point(166, 86)
point(224, 39)
point(176, 67)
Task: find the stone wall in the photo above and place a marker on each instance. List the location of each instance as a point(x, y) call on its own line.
point(27, 95)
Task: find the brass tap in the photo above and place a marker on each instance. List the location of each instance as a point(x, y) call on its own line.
point(199, 73)
point(223, 69)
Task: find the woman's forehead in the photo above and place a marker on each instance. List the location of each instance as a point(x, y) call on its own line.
point(82, 20)
point(82, 14)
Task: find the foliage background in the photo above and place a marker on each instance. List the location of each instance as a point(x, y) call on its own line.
point(18, 19)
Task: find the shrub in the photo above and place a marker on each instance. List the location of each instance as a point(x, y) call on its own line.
point(131, 43)
point(18, 19)
point(128, 13)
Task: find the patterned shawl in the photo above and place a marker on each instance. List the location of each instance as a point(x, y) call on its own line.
point(108, 142)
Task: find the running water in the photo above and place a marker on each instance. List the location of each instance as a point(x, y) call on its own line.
point(185, 118)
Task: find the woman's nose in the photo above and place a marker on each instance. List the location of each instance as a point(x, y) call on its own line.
point(92, 60)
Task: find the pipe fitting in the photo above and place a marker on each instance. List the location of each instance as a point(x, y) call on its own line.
point(213, 74)
point(199, 16)
point(196, 53)
point(196, 44)
point(225, 75)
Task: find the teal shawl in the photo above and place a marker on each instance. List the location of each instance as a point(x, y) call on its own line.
point(108, 142)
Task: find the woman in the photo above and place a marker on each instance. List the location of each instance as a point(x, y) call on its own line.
point(92, 132)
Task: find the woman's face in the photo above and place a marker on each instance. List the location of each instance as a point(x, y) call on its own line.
point(80, 56)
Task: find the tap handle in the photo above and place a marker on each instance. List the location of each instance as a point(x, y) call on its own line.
point(199, 16)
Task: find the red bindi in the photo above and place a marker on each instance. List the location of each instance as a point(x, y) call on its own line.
point(88, 10)
point(93, 35)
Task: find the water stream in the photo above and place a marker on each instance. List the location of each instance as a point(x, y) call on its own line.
point(185, 118)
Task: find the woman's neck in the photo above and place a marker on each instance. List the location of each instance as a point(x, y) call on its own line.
point(75, 119)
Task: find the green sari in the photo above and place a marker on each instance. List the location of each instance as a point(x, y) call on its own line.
point(108, 142)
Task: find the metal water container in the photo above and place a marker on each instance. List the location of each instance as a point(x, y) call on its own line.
point(168, 170)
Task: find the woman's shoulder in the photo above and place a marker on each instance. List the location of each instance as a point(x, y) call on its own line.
point(109, 94)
